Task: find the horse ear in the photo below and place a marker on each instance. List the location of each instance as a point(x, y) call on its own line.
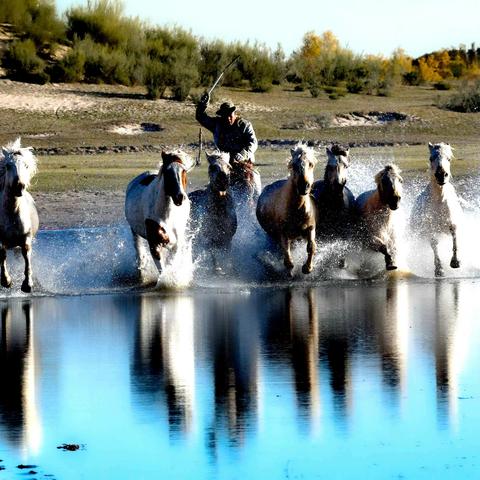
point(430, 146)
point(328, 150)
point(16, 145)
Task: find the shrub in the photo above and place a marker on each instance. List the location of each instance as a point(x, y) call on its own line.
point(33, 19)
point(314, 90)
point(155, 79)
point(466, 99)
point(411, 78)
point(23, 63)
point(356, 85)
point(71, 68)
point(442, 86)
point(173, 58)
point(103, 21)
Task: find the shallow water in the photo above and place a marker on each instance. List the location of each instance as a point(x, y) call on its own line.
point(341, 374)
point(301, 382)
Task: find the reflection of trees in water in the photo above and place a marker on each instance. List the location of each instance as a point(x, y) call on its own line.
point(163, 358)
point(18, 409)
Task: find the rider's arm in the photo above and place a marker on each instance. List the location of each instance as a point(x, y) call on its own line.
point(250, 143)
point(201, 113)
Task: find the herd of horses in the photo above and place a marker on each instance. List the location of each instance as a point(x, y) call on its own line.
point(160, 211)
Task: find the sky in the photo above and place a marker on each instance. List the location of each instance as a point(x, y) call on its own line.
point(366, 26)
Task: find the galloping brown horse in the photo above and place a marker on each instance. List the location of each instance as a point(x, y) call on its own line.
point(377, 210)
point(286, 210)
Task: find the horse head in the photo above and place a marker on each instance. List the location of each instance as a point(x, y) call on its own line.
point(17, 167)
point(389, 186)
point(219, 171)
point(174, 171)
point(440, 156)
point(301, 167)
point(335, 176)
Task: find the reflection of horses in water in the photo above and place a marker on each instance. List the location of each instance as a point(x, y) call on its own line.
point(286, 210)
point(157, 209)
point(18, 214)
point(334, 200)
point(17, 375)
point(377, 207)
point(437, 209)
point(213, 215)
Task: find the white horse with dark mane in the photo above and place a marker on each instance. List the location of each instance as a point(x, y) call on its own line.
point(157, 209)
point(377, 209)
point(286, 210)
point(18, 214)
point(437, 209)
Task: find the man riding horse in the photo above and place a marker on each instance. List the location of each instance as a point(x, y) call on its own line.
point(235, 136)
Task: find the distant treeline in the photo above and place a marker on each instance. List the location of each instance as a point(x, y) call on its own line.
point(97, 43)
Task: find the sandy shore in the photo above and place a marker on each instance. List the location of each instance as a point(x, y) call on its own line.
point(79, 209)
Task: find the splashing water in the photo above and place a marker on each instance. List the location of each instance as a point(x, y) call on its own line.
point(96, 260)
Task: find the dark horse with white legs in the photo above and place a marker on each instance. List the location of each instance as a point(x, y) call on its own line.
point(213, 217)
point(286, 210)
point(18, 214)
point(157, 208)
point(437, 209)
point(334, 200)
point(377, 211)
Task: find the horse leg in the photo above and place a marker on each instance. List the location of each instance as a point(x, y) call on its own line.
point(389, 258)
point(27, 283)
point(454, 262)
point(311, 247)
point(5, 278)
point(140, 250)
point(287, 255)
point(436, 258)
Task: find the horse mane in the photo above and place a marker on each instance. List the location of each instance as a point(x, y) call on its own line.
point(184, 158)
point(440, 149)
point(338, 149)
point(224, 157)
point(391, 168)
point(301, 149)
point(14, 148)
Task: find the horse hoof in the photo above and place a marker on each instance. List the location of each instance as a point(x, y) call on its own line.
point(391, 266)
point(306, 269)
point(26, 287)
point(6, 283)
point(439, 272)
point(455, 263)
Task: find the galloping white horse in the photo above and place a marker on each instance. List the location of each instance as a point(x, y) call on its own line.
point(437, 209)
point(157, 208)
point(18, 214)
point(286, 210)
point(376, 209)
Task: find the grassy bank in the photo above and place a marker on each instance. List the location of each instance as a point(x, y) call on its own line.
point(113, 172)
